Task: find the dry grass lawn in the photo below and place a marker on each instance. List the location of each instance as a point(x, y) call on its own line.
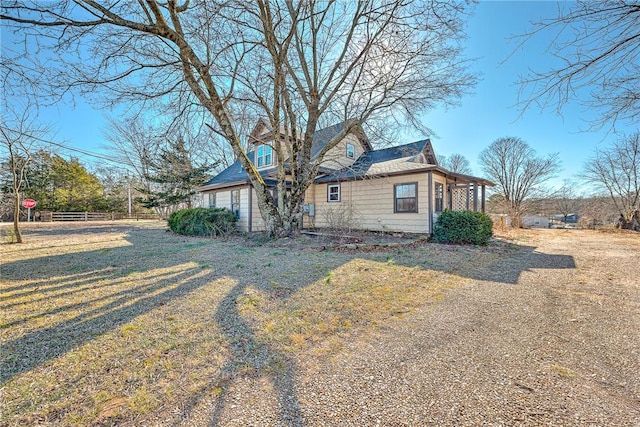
point(107, 323)
point(127, 324)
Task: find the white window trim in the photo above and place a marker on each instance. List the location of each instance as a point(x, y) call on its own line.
point(239, 202)
point(329, 186)
point(436, 198)
point(263, 157)
point(353, 151)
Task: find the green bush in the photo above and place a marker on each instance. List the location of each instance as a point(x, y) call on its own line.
point(468, 227)
point(202, 222)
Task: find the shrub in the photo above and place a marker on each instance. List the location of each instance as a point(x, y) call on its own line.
point(202, 222)
point(468, 227)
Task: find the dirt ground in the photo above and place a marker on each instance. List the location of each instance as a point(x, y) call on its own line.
point(542, 327)
point(548, 335)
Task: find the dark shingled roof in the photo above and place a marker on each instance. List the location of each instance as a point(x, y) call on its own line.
point(236, 173)
point(369, 158)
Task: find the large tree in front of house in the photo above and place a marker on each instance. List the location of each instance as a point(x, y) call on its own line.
point(299, 64)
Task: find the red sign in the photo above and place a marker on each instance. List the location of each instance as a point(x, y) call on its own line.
point(29, 203)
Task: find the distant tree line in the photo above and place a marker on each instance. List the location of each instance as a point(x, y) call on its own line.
point(65, 184)
point(611, 178)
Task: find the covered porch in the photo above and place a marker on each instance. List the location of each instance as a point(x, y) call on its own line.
point(461, 193)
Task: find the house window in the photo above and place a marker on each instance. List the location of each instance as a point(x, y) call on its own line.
point(235, 202)
point(264, 156)
point(333, 193)
point(351, 151)
point(439, 197)
point(405, 197)
point(212, 200)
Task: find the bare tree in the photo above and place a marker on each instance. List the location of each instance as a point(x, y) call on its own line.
point(565, 200)
point(456, 163)
point(616, 170)
point(598, 44)
point(135, 144)
point(597, 210)
point(298, 64)
point(19, 135)
point(517, 171)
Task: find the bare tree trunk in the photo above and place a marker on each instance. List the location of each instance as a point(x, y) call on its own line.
point(18, 134)
point(16, 218)
point(296, 63)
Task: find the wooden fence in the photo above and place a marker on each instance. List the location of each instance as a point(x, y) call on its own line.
point(93, 216)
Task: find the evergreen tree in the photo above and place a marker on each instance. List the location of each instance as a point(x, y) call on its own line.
point(174, 179)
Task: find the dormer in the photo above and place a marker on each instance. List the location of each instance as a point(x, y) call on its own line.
point(261, 140)
point(345, 153)
point(261, 132)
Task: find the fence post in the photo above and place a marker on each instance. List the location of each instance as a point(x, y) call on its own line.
point(86, 216)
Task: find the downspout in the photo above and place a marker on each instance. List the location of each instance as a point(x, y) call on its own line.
point(250, 226)
point(430, 200)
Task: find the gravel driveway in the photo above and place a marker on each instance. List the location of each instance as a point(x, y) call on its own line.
point(549, 335)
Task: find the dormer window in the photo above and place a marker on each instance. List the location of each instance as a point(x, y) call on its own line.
point(351, 151)
point(264, 156)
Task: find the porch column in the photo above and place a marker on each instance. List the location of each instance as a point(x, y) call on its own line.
point(468, 197)
point(483, 203)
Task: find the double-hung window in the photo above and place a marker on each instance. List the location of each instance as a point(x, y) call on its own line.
point(264, 156)
point(333, 193)
point(212, 200)
point(405, 197)
point(235, 202)
point(439, 197)
point(351, 151)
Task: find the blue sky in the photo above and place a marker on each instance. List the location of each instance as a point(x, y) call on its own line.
point(482, 117)
point(489, 113)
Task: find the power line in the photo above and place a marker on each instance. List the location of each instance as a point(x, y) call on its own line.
point(78, 150)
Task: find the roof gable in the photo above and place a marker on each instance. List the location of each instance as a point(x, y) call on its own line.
point(397, 158)
point(262, 132)
point(429, 154)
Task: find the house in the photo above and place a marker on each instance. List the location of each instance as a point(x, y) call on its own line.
point(571, 218)
point(399, 189)
point(535, 221)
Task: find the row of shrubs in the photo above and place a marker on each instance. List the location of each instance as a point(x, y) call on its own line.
point(208, 222)
point(460, 227)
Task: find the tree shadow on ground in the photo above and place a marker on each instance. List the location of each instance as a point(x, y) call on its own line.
point(500, 262)
point(249, 354)
point(103, 312)
point(112, 310)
